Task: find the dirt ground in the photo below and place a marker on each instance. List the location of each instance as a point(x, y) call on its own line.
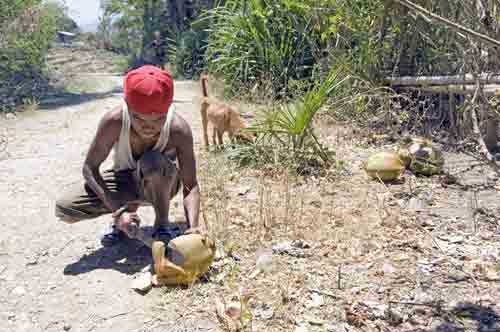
point(337, 253)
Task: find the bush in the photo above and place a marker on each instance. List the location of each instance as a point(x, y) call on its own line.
point(27, 30)
point(285, 132)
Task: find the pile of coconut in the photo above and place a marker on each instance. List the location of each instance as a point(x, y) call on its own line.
point(415, 154)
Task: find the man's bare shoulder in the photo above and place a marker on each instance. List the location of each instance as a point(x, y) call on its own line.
point(112, 120)
point(180, 130)
point(110, 125)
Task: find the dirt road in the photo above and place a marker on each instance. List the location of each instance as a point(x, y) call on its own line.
point(55, 276)
point(425, 248)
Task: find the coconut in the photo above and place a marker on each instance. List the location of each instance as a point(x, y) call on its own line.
point(386, 166)
point(421, 157)
point(187, 258)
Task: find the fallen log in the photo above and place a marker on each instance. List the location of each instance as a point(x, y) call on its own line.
point(456, 89)
point(467, 79)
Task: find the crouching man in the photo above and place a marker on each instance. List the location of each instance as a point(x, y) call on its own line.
point(153, 159)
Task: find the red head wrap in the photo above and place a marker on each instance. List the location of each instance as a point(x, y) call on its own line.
point(149, 90)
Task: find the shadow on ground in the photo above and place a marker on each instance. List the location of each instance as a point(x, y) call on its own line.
point(466, 316)
point(64, 98)
point(128, 257)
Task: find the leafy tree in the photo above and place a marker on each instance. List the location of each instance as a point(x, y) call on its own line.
point(27, 29)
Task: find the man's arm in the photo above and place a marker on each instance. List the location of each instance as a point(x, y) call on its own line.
point(187, 165)
point(106, 135)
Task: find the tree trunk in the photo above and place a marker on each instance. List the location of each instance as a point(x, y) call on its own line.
point(146, 21)
point(172, 12)
point(491, 134)
point(181, 14)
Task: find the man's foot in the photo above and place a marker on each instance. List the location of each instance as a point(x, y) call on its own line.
point(167, 232)
point(112, 236)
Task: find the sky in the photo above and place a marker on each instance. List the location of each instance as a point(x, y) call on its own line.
point(84, 12)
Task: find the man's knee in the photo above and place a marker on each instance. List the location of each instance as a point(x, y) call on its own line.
point(156, 163)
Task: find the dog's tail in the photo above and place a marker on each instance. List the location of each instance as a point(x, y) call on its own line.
point(204, 79)
point(204, 107)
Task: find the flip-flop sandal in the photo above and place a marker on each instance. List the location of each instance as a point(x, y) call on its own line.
point(166, 233)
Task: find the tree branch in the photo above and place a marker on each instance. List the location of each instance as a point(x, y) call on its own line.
point(453, 25)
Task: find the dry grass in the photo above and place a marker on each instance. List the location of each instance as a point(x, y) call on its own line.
point(366, 246)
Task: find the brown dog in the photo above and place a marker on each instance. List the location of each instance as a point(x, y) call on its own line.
point(223, 118)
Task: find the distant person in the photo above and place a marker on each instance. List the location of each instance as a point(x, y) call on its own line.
point(159, 46)
point(153, 160)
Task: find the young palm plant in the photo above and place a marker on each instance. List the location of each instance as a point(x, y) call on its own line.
point(285, 132)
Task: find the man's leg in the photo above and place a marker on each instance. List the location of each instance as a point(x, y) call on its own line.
point(159, 182)
point(80, 202)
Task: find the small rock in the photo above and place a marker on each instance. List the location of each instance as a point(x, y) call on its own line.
point(315, 302)
point(415, 204)
point(452, 239)
point(300, 244)
point(207, 325)
point(316, 204)
point(19, 291)
point(233, 310)
point(282, 247)
point(490, 254)
point(10, 116)
point(425, 267)
point(242, 191)
point(294, 248)
point(394, 317)
point(374, 309)
point(142, 283)
point(67, 327)
point(388, 268)
point(302, 328)
point(314, 320)
point(401, 257)
point(267, 314)
point(264, 259)
point(32, 261)
point(331, 328)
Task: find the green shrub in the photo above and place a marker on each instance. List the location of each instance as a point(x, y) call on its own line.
point(27, 30)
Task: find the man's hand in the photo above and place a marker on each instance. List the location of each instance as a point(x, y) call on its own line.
point(125, 219)
point(196, 230)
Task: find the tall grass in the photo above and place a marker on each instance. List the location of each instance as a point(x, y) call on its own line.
point(254, 41)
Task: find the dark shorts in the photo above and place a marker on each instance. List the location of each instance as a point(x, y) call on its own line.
point(79, 202)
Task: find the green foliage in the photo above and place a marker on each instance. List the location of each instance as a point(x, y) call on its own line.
point(26, 38)
point(10, 9)
point(122, 24)
point(286, 131)
point(187, 51)
point(252, 41)
point(27, 30)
